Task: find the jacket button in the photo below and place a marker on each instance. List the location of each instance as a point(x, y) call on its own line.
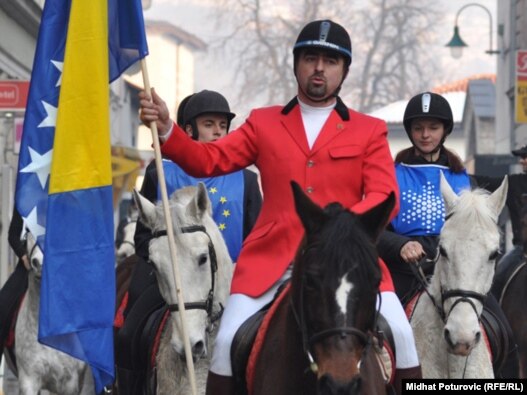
point(310, 163)
point(309, 189)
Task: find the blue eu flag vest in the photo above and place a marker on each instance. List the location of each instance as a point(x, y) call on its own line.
point(226, 195)
point(422, 211)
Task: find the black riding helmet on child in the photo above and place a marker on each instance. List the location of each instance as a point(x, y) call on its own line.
point(205, 102)
point(329, 36)
point(429, 105)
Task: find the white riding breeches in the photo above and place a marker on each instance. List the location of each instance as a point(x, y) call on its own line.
point(403, 336)
point(239, 307)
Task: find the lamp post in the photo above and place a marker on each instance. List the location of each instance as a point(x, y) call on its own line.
point(456, 43)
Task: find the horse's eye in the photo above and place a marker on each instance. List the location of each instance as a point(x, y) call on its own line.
point(443, 252)
point(310, 282)
point(202, 259)
point(494, 255)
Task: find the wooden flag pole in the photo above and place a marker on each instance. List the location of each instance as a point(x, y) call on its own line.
point(170, 234)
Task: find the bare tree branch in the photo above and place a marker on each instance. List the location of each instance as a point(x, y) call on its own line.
point(389, 39)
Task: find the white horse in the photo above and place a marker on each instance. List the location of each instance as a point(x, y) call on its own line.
point(40, 366)
point(127, 246)
point(206, 269)
point(446, 319)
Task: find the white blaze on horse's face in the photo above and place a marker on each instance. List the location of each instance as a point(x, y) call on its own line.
point(342, 293)
point(469, 240)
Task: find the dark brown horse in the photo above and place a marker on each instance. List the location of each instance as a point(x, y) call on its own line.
point(320, 340)
point(510, 288)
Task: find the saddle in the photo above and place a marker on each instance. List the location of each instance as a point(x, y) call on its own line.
point(136, 339)
point(249, 337)
point(498, 339)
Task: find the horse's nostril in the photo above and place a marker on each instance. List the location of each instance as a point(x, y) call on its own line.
point(34, 261)
point(447, 337)
point(478, 336)
point(198, 348)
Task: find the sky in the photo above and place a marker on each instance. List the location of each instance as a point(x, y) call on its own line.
point(195, 16)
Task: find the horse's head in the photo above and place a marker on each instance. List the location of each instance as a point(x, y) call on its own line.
point(202, 258)
point(127, 246)
point(34, 255)
point(336, 280)
point(468, 247)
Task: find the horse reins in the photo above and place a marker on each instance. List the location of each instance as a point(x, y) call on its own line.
point(464, 295)
point(207, 304)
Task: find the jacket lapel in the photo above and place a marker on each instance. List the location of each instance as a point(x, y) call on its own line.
point(292, 122)
point(331, 129)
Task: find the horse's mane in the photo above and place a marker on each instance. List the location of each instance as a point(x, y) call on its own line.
point(342, 242)
point(471, 208)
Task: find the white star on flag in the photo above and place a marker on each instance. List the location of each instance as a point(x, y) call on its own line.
point(51, 118)
point(59, 66)
point(40, 165)
point(31, 222)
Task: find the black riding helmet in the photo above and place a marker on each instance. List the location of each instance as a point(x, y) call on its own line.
point(205, 102)
point(327, 35)
point(429, 105)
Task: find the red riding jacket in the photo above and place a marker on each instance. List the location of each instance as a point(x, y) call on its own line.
point(350, 162)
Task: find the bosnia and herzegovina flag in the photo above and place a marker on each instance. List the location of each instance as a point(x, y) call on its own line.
point(82, 45)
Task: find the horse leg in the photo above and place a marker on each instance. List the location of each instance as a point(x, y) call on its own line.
point(28, 386)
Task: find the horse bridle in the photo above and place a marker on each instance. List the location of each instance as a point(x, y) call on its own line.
point(463, 295)
point(127, 241)
point(309, 341)
point(207, 304)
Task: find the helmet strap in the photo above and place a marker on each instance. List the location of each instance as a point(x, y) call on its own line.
point(195, 131)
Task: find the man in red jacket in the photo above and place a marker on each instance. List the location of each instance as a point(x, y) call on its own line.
point(334, 153)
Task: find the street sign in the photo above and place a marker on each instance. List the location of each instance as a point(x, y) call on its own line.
point(521, 86)
point(13, 95)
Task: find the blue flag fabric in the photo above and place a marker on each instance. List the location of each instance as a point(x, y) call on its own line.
point(78, 284)
point(422, 210)
point(226, 195)
point(127, 44)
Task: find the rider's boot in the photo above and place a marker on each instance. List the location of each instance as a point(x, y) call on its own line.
point(409, 373)
point(219, 385)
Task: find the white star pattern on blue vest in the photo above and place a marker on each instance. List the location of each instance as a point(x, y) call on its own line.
point(422, 211)
point(425, 206)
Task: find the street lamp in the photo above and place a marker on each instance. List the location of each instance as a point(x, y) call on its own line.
point(456, 44)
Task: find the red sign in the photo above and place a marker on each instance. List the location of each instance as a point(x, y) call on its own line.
point(13, 94)
point(521, 65)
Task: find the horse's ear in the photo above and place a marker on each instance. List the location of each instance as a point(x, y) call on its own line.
point(374, 220)
point(449, 196)
point(200, 204)
point(498, 198)
point(146, 209)
point(311, 215)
